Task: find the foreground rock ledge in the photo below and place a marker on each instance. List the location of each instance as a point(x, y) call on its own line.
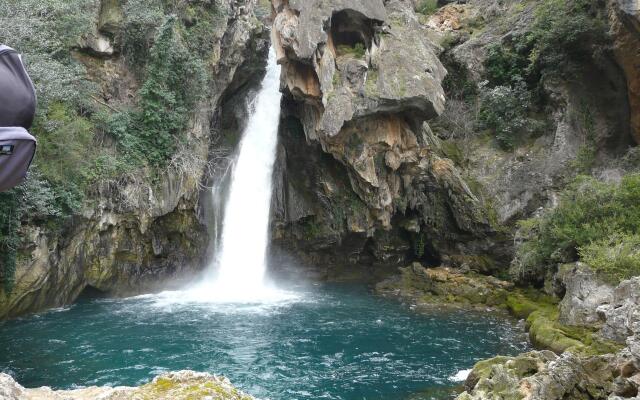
point(174, 386)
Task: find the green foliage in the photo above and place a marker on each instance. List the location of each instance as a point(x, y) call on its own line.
point(616, 257)
point(504, 111)
point(589, 213)
point(174, 78)
point(419, 243)
point(9, 239)
point(169, 92)
point(565, 32)
point(311, 228)
point(202, 24)
point(427, 7)
point(357, 51)
point(65, 152)
point(458, 83)
point(43, 31)
point(507, 65)
point(33, 201)
point(586, 156)
point(142, 18)
point(71, 127)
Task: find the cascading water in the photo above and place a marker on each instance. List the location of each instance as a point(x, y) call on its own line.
point(238, 269)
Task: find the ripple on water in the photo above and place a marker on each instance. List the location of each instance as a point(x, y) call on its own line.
point(334, 342)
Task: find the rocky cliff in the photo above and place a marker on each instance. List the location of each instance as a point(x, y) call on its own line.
point(143, 228)
point(586, 373)
point(362, 179)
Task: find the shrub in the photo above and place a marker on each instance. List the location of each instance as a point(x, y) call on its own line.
point(589, 211)
point(563, 35)
point(565, 32)
point(142, 18)
point(616, 257)
point(173, 85)
point(507, 65)
point(504, 111)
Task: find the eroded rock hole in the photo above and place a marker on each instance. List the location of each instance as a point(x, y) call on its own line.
point(351, 31)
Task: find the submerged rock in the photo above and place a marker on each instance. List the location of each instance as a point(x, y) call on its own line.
point(180, 385)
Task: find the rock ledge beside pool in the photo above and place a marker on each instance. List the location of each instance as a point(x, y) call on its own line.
point(180, 385)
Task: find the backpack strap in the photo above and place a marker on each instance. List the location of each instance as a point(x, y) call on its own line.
point(4, 48)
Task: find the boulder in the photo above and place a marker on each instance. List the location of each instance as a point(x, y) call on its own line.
point(622, 316)
point(585, 292)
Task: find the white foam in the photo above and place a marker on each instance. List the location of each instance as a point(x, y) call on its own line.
point(460, 376)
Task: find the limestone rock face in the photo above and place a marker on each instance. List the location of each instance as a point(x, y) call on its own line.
point(360, 79)
point(138, 234)
point(527, 178)
point(622, 314)
point(180, 385)
point(584, 294)
point(624, 19)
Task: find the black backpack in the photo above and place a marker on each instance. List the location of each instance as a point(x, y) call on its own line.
point(17, 110)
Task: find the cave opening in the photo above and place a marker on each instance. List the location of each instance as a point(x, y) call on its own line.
point(91, 292)
point(351, 30)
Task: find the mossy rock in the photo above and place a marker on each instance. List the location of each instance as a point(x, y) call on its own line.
point(187, 385)
point(522, 303)
point(546, 332)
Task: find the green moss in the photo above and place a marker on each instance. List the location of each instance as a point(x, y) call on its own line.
point(524, 302)
point(427, 7)
point(357, 51)
point(311, 228)
point(452, 151)
point(371, 85)
point(546, 332)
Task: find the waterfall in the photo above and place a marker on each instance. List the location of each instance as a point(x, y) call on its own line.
point(239, 266)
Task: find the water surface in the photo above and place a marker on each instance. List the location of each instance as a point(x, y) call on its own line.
point(329, 342)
